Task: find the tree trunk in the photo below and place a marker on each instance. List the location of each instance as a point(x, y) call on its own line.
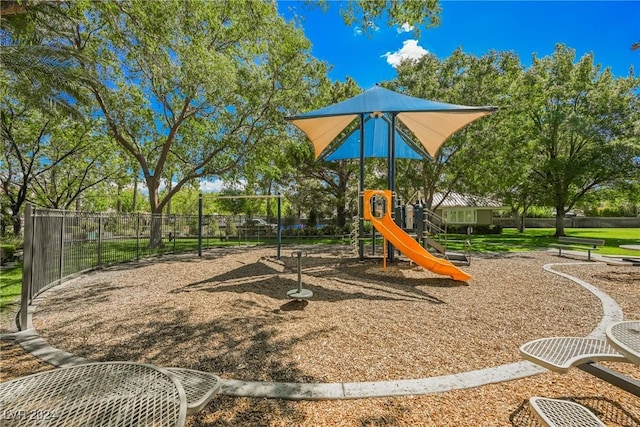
point(16, 221)
point(341, 214)
point(169, 202)
point(559, 223)
point(520, 218)
point(135, 195)
point(155, 237)
point(269, 216)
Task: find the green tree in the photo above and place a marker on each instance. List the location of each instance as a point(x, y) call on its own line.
point(195, 90)
point(185, 202)
point(366, 13)
point(583, 123)
point(264, 170)
point(35, 144)
point(36, 58)
point(327, 183)
point(463, 163)
point(61, 184)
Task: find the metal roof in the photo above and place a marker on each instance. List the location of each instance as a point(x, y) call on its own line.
point(457, 200)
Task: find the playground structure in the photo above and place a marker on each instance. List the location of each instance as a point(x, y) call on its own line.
point(379, 111)
point(424, 225)
point(377, 205)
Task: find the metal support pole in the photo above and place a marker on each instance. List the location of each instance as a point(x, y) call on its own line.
point(200, 224)
point(299, 294)
point(373, 241)
point(61, 260)
point(612, 377)
point(391, 172)
point(299, 271)
point(392, 154)
point(27, 264)
point(100, 241)
point(279, 206)
point(360, 194)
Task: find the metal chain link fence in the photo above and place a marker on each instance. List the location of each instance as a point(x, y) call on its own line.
point(59, 244)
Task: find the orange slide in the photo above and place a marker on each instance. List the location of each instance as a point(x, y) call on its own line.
point(405, 243)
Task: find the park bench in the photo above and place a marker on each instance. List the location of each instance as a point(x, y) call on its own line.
point(578, 243)
point(199, 387)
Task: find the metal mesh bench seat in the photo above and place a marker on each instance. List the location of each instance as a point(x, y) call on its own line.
point(200, 387)
point(625, 336)
point(560, 353)
point(95, 394)
point(562, 413)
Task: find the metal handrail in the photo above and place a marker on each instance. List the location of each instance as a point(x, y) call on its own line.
point(434, 229)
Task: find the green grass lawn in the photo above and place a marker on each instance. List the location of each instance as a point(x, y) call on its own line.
point(10, 286)
point(509, 241)
point(536, 238)
point(613, 238)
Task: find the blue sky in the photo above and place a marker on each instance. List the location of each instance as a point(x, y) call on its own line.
point(606, 28)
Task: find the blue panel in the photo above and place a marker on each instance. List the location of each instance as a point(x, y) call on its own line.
point(376, 143)
point(384, 100)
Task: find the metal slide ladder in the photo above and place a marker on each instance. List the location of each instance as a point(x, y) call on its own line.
point(435, 225)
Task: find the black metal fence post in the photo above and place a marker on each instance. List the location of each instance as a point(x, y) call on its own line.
point(175, 232)
point(27, 265)
point(138, 237)
point(61, 264)
point(279, 225)
point(100, 240)
point(200, 224)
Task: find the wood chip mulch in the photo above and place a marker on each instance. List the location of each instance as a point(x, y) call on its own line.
point(228, 313)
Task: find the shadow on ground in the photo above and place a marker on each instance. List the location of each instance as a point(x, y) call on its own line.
point(363, 283)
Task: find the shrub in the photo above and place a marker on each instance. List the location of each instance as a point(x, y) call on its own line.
point(331, 230)
point(312, 220)
point(7, 250)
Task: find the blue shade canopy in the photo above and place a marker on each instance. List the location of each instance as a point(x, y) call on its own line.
point(376, 137)
point(431, 122)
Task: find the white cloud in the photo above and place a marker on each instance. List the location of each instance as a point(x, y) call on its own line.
point(142, 187)
point(211, 186)
point(368, 26)
point(410, 50)
point(405, 28)
point(206, 186)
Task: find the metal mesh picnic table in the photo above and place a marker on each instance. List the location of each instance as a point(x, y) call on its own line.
point(95, 394)
point(625, 337)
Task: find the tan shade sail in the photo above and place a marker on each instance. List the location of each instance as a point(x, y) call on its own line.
point(322, 130)
point(434, 130)
point(431, 122)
